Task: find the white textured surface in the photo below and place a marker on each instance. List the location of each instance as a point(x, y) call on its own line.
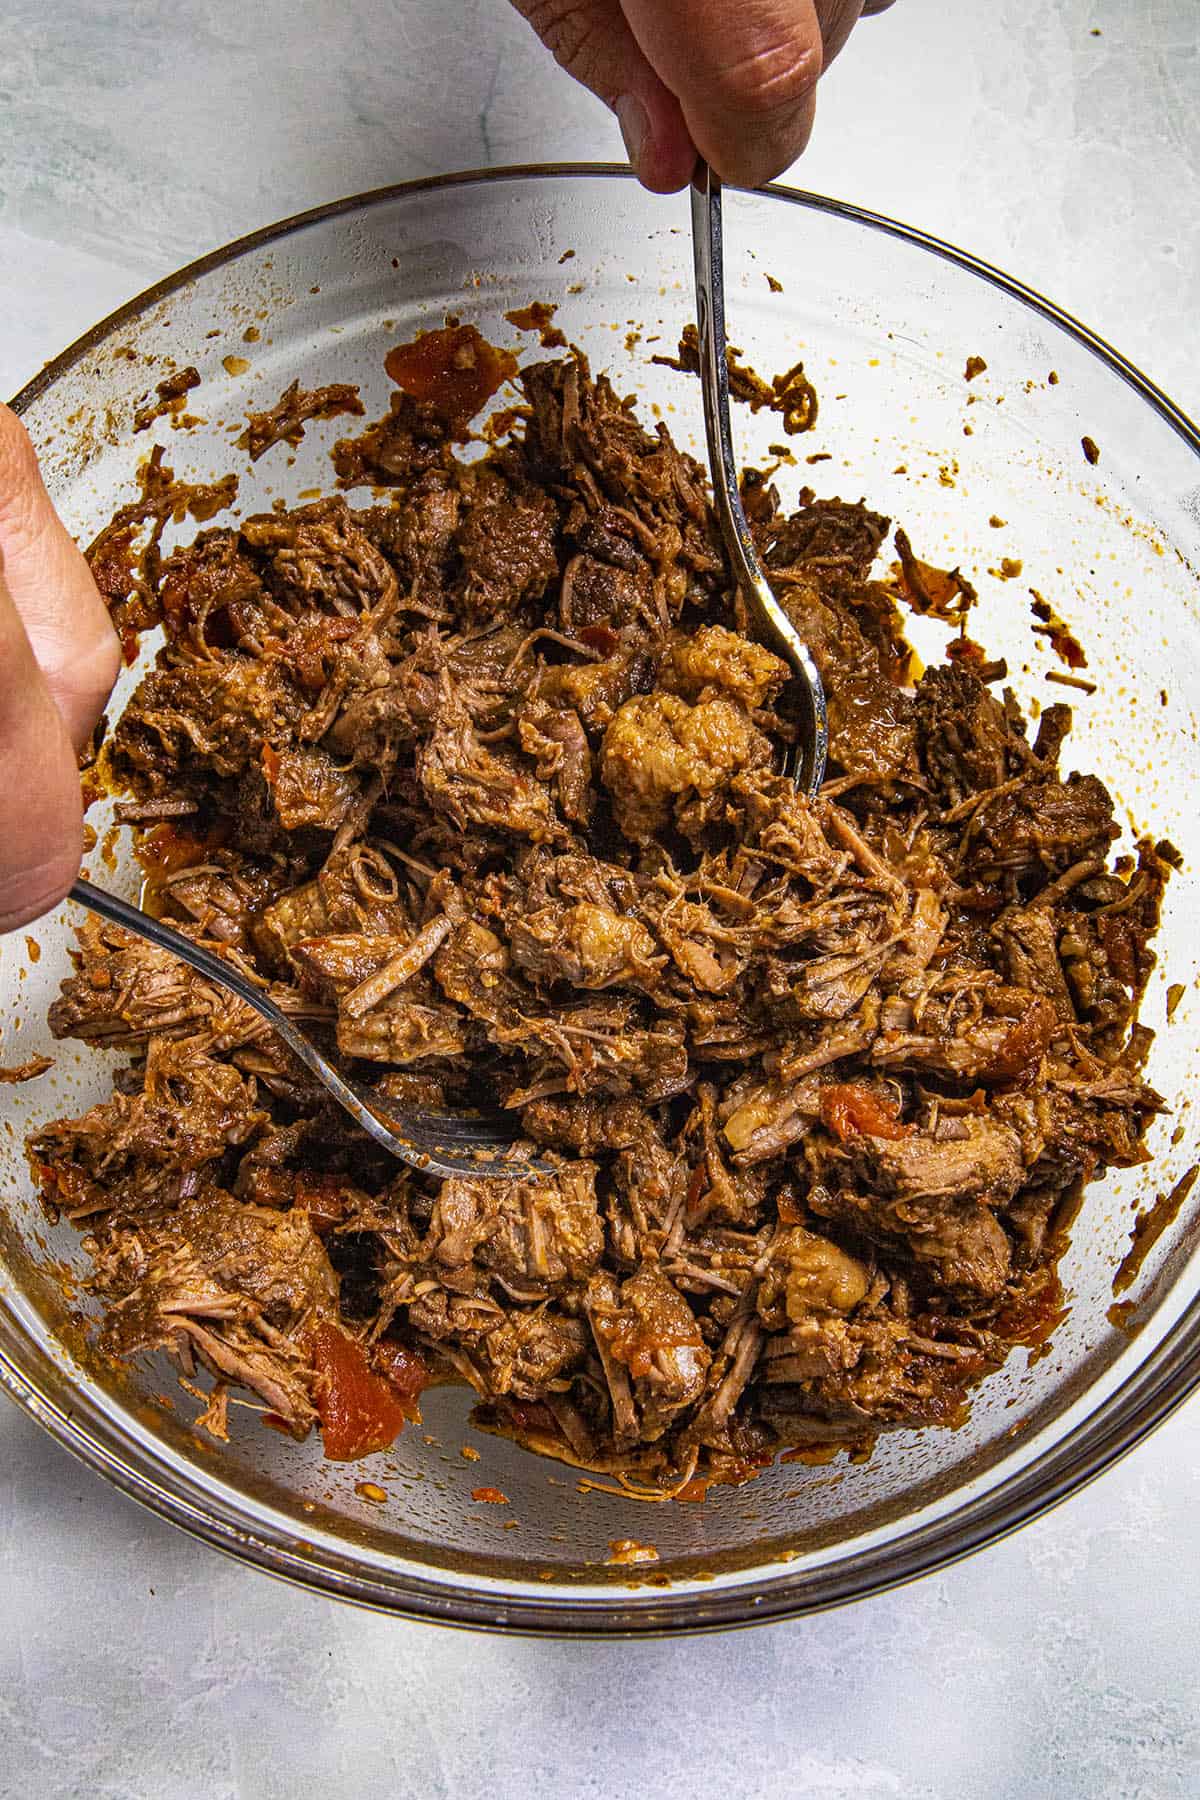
point(134, 1663)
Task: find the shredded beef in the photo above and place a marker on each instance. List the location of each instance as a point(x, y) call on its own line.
point(485, 786)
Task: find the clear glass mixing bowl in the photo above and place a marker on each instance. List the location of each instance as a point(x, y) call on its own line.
point(885, 320)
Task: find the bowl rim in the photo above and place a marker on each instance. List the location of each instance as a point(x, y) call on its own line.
point(1148, 1396)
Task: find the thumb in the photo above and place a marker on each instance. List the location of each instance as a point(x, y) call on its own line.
point(41, 815)
point(49, 584)
point(746, 74)
point(592, 40)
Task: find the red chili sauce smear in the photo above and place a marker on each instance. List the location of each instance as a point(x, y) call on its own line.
point(361, 1411)
point(456, 370)
point(849, 1111)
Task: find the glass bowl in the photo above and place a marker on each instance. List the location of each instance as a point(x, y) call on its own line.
point(977, 470)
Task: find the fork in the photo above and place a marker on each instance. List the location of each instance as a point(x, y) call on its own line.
point(440, 1143)
point(808, 765)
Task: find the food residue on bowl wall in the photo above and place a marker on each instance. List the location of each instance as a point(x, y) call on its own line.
point(628, 1550)
point(1149, 1226)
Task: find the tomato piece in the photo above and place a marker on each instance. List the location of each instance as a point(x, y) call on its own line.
point(849, 1111)
point(1025, 1043)
point(455, 370)
point(360, 1411)
point(635, 1340)
point(788, 1208)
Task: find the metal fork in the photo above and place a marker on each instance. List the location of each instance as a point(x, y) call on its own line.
point(808, 766)
point(440, 1143)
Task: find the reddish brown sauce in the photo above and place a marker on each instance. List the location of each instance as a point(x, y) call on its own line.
point(1057, 632)
point(1032, 1318)
point(1025, 1042)
point(164, 849)
point(455, 370)
point(1149, 1227)
point(360, 1411)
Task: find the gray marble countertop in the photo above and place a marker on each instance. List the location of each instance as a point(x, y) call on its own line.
point(1061, 142)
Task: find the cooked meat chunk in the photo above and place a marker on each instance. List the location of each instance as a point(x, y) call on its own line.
point(714, 662)
point(484, 783)
point(473, 785)
point(210, 591)
point(829, 533)
point(284, 422)
point(274, 1258)
point(507, 550)
point(597, 690)
point(597, 594)
point(660, 754)
point(983, 1163)
point(532, 1353)
point(810, 1274)
point(309, 789)
point(531, 1239)
point(319, 555)
point(403, 1031)
point(1028, 938)
point(967, 743)
point(555, 737)
point(1042, 829)
point(187, 1111)
point(589, 946)
point(652, 1333)
point(234, 1287)
point(214, 716)
point(959, 1242)
point(126, 994)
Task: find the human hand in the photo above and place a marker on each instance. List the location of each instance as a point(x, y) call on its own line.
point(58, 660)
point(734, 80)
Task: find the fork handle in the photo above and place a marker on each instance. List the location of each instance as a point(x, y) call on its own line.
point(709, 255)
point(215, 969)
point(145, 925)
point(443, 1152)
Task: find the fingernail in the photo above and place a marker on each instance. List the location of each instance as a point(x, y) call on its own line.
point(631, 117)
